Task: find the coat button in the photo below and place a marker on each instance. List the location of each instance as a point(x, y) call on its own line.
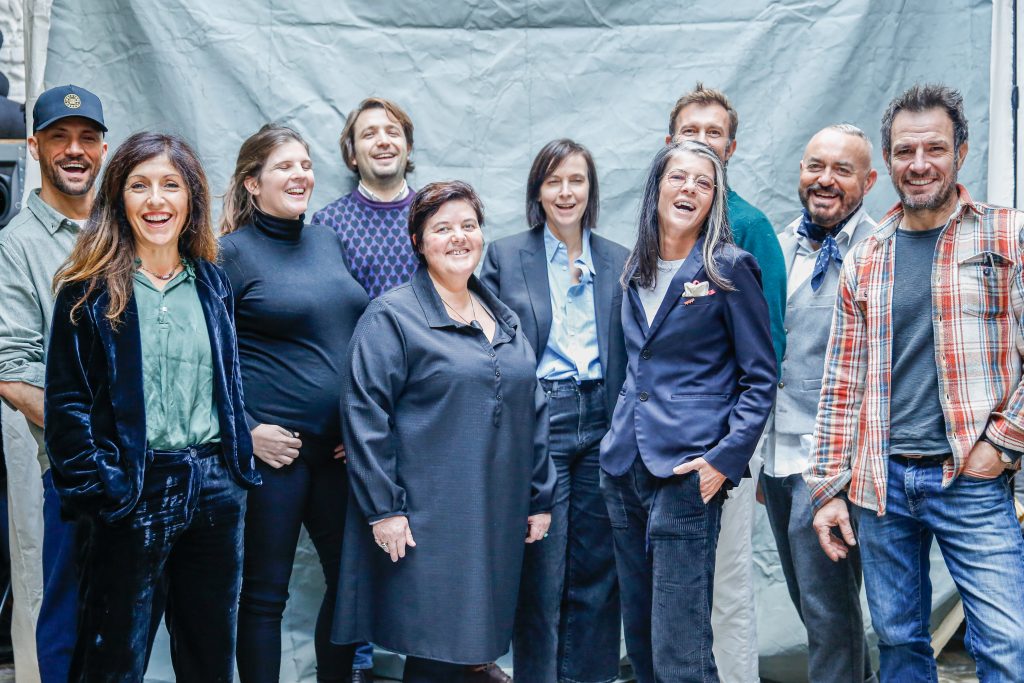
point(782, 385)
point(643, 396)
point(646, 354)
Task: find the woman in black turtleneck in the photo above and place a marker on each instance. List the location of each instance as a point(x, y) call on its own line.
point(295, 309)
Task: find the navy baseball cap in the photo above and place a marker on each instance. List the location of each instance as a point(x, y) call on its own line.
point(64, 101)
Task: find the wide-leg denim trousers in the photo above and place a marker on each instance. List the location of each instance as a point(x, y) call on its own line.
point(567, 619)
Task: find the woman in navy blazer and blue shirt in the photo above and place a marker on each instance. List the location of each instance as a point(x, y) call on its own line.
point(699, 386)
point(561, 280)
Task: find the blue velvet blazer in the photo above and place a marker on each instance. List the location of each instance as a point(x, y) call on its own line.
point(95, 408)
point(700, 379)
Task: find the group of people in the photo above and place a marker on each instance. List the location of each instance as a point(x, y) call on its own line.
point(551, 452)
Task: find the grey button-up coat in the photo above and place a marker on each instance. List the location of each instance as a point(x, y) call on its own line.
point(450, 430)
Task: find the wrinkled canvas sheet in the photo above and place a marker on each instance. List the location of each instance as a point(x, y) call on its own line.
point(487, 83)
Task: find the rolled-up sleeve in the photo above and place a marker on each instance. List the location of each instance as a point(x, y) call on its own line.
point(22, 350)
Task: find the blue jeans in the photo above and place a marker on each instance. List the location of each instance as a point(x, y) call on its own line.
point(665, 541)
point(567, 619)
point(310, 492)
point(826, 594)
point(363, 658)
point(974, 524)
point(184, 533)
point(58, 614)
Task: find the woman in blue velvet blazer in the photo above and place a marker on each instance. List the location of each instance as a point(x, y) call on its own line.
point(144, 422)
point(700, 383)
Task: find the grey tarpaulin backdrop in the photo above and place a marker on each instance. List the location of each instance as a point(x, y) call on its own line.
point(487, 83)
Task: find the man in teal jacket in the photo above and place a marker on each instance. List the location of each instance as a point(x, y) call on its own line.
point(706, 115)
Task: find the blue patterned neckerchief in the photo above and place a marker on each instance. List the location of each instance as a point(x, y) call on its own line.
point(829, 251)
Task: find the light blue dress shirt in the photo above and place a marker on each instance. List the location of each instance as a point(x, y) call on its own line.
point(572, 350)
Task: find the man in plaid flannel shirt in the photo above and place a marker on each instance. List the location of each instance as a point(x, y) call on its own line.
point(921, 416)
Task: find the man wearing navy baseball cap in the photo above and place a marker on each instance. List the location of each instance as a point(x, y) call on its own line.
point(67, 141)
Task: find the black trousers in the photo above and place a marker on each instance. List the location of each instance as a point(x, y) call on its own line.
point(419, 670)
point(310, 492)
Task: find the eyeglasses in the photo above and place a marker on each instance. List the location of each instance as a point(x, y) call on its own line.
point(678, 179)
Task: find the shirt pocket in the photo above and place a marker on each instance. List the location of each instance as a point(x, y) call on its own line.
point(984, 284)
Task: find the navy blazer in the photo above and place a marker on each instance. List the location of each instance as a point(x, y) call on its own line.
point(516, 269)
point(700, 379)
point(95, 407)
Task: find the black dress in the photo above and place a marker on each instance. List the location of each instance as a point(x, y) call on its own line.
point(451, 430)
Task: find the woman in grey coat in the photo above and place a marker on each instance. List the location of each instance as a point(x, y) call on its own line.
point(446, 432)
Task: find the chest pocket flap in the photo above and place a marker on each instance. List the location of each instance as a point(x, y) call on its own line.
point(984, 284)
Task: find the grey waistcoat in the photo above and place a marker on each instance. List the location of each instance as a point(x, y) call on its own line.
point(808, 322)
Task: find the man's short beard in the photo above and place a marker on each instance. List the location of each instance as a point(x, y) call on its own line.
point(55, 178)
point(936, 201)
point(940, 198)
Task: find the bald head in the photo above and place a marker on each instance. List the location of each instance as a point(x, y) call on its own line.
point(835, 173)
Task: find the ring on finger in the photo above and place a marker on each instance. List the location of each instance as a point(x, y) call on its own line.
point(383, 545)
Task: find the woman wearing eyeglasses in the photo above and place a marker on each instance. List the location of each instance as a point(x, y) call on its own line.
point(699, 386)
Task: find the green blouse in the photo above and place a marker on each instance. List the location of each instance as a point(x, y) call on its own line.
point(177, 363)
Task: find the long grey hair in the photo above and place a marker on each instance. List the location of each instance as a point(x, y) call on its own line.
point(642, 265)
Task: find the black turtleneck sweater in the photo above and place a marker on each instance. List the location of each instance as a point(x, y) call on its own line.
point(296, 306)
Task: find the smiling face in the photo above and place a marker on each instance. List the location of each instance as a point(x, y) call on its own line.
point(922, 160)
point(452, 241)
point(286, 182)
point(381, 149)
point(835, 174)
point(156, 203)
point(707, 123)
point(70, 153)
point(686, 192)
point(564, 194)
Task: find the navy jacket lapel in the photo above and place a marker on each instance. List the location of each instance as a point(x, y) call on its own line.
point(689, 271)
point(605, 282)
point(535, 272)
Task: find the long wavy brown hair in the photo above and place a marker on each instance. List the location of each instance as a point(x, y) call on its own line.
point(104, 255)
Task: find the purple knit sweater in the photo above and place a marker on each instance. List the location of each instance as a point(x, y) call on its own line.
point(375, 239)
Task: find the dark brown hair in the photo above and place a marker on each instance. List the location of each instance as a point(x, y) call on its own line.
point(705, 96)
point(429, 201)
point(104, 254)
point(348, 133)
point(922, 98)
point(253, 154)
point(544, 164)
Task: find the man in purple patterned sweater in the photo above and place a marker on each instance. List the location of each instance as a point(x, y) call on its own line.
point(372, 219)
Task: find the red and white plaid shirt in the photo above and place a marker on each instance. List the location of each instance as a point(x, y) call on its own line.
point(977, 310)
